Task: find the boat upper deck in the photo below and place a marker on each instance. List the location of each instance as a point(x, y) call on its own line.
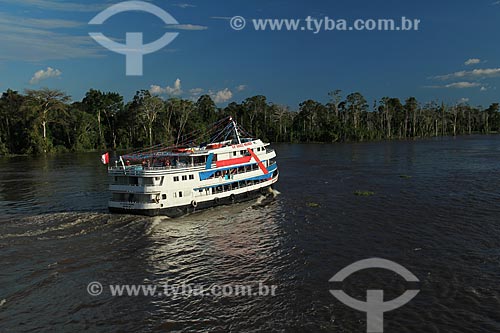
point(186, 158)
point(220, 150)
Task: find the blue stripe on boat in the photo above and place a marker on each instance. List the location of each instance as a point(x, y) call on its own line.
point(210, 159)
point(271, 169)
point(207, 174)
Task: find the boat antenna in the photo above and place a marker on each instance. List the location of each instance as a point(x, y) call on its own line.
point(235, 129)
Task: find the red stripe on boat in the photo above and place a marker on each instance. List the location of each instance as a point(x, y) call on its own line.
point(233, 161)
point(261, 165)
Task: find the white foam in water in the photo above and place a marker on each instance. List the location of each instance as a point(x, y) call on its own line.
point(2, 302)
point(260, 199)
point(275, 193)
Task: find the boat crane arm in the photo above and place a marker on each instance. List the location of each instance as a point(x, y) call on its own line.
point(236, 130)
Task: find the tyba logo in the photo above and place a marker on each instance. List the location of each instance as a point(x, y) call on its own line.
point(133, 49)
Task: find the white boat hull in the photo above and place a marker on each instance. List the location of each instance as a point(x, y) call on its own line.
point(175, 191)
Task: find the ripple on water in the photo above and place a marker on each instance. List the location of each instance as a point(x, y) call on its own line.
point(441, 222)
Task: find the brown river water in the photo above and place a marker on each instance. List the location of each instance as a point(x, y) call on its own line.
point(435, 209)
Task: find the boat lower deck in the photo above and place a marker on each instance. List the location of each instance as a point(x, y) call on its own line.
point(187, 209)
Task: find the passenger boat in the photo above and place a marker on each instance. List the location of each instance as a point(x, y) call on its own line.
point(189, 177)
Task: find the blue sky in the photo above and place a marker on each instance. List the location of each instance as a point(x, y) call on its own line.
point(45, 43)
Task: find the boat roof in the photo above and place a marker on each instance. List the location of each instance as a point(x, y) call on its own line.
point(224, 133)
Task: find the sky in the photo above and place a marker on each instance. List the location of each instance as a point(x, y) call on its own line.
point(453, 57)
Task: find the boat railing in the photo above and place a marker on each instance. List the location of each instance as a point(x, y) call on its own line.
point(140, 168)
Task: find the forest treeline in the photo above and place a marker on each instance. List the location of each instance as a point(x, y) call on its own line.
point(45, 120)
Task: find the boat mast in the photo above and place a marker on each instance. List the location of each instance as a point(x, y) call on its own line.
point(236, 130)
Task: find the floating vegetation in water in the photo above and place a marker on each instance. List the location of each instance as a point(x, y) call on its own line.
point(405, 176)
point(360, 193)
point(313, 204)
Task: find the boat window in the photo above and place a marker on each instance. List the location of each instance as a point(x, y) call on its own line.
point(184, 161)
point(184, 178)
point(191, 177)
point(164, 196)
point(180, 194)
point(176, 178)
point(199, 160)
point(234, 153)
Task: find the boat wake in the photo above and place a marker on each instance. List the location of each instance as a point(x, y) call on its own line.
point(267, 199)
point(60, 225)
point(274, 192)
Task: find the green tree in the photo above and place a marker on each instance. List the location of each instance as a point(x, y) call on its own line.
point(206, 108)
point(43, 104)
point(149, 108)
point(12, 123)
point(355, 105)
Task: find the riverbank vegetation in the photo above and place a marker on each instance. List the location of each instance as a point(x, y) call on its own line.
point(41, 121)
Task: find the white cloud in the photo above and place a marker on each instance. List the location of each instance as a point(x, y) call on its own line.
point(221, 96)
point(196, 91)
point(59, 5)
point(45, 74)
point(38, 23)
point(184, 5)
point(176, 90)
point(463, 100)
point(226, 18)
point(241, 87)
point(475, 73)
point(29, 39)
point(472, 61)
point(156, 90)
point(191, 27)
point(457, 85)
point(462, 85)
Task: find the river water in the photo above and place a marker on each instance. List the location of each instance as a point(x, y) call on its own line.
point(434, 209)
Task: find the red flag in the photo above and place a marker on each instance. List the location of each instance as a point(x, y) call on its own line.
point(105, 158)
